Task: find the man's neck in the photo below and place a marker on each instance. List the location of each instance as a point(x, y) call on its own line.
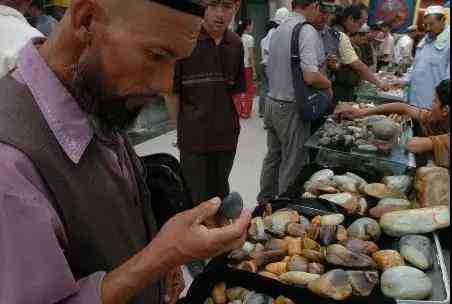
point(436, 35)
point(18, 8)
point(301, 12)
point(216, 36)
point(68, 50)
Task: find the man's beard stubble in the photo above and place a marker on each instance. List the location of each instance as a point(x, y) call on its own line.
point(108, 111)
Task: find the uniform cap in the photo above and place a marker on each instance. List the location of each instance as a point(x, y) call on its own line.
point(364, 29)
point(281, 15)
point(434, 10)
point(61, 3)
point(193, 7)
point(412, 28)
point(328, 6)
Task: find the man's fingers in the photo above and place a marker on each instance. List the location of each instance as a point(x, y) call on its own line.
point(179, 287)
point(234, 231)
point(174, 285)
point(204, 211)
point(236, 244)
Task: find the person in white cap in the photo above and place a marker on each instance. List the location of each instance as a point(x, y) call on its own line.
point(403, 50)
point(280, 15)
point(15, 31)
point(432, 61)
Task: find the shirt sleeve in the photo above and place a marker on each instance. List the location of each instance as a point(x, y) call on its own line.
point(177, 81)
point(33, 268)
point(425, 120)
point(405, 48)
point(388, 48)
point(347, 53)
point(441, 150)
point(309, 42)
point(239, 85)
point(248, 41)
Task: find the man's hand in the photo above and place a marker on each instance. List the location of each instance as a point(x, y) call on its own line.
point(255, 76)
point(383, 86)
point(349, 112)
point(333, 62)
point(188, 237)
point(330, 92)
point(174, 285)
point(420, 145)
point(183, 239)
point(398, 85)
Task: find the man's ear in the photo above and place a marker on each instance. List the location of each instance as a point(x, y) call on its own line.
point(445, 111)
point(238, 5)
point(81, 19)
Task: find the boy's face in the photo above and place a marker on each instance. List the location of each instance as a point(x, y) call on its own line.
point(439, 112)
point(219, 14)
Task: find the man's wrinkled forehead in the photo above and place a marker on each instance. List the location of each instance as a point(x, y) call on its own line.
point(194, 7)
point(223, 2)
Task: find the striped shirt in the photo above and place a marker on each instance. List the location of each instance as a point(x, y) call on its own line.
point(206, 83)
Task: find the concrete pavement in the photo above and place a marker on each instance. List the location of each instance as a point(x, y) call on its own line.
point(247, 167)
point(248, 163)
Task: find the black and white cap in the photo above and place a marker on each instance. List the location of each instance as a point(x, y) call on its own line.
point(194, 7)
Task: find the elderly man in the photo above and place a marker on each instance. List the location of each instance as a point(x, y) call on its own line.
point(15, 31)
point(432, 61)
point(76, 222)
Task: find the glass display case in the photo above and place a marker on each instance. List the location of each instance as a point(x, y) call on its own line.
point(397, 161)
point(369, 92)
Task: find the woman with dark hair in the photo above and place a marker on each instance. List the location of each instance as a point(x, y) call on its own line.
point(244, 102)
point(435, 123)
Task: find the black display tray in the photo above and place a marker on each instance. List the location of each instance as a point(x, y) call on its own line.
point(218, 271)
point(295, 190)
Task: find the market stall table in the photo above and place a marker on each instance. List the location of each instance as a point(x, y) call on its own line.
point(369, 92)
point(399, 161)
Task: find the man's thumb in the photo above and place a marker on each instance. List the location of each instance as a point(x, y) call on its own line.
point(206, 210)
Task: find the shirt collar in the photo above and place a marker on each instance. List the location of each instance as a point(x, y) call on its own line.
point(297, 15)
point(68, 122)
point(440, 42)
point(11, 12)
point(204, 35)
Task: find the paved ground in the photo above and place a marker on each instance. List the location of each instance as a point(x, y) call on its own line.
point(246, 172)
point(251, 151)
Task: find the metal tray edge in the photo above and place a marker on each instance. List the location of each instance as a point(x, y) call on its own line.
point(444, 271)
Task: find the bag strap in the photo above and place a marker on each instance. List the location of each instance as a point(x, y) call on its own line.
point(295, 47)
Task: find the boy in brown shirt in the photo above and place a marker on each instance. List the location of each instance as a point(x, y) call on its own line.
point(435, 123)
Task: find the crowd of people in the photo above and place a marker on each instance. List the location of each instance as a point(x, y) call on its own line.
point(73, 200)
point(337, 53)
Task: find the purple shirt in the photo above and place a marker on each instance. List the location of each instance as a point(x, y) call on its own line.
point(33, 268)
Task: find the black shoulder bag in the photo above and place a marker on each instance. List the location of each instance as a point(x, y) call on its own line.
point(312, 104)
